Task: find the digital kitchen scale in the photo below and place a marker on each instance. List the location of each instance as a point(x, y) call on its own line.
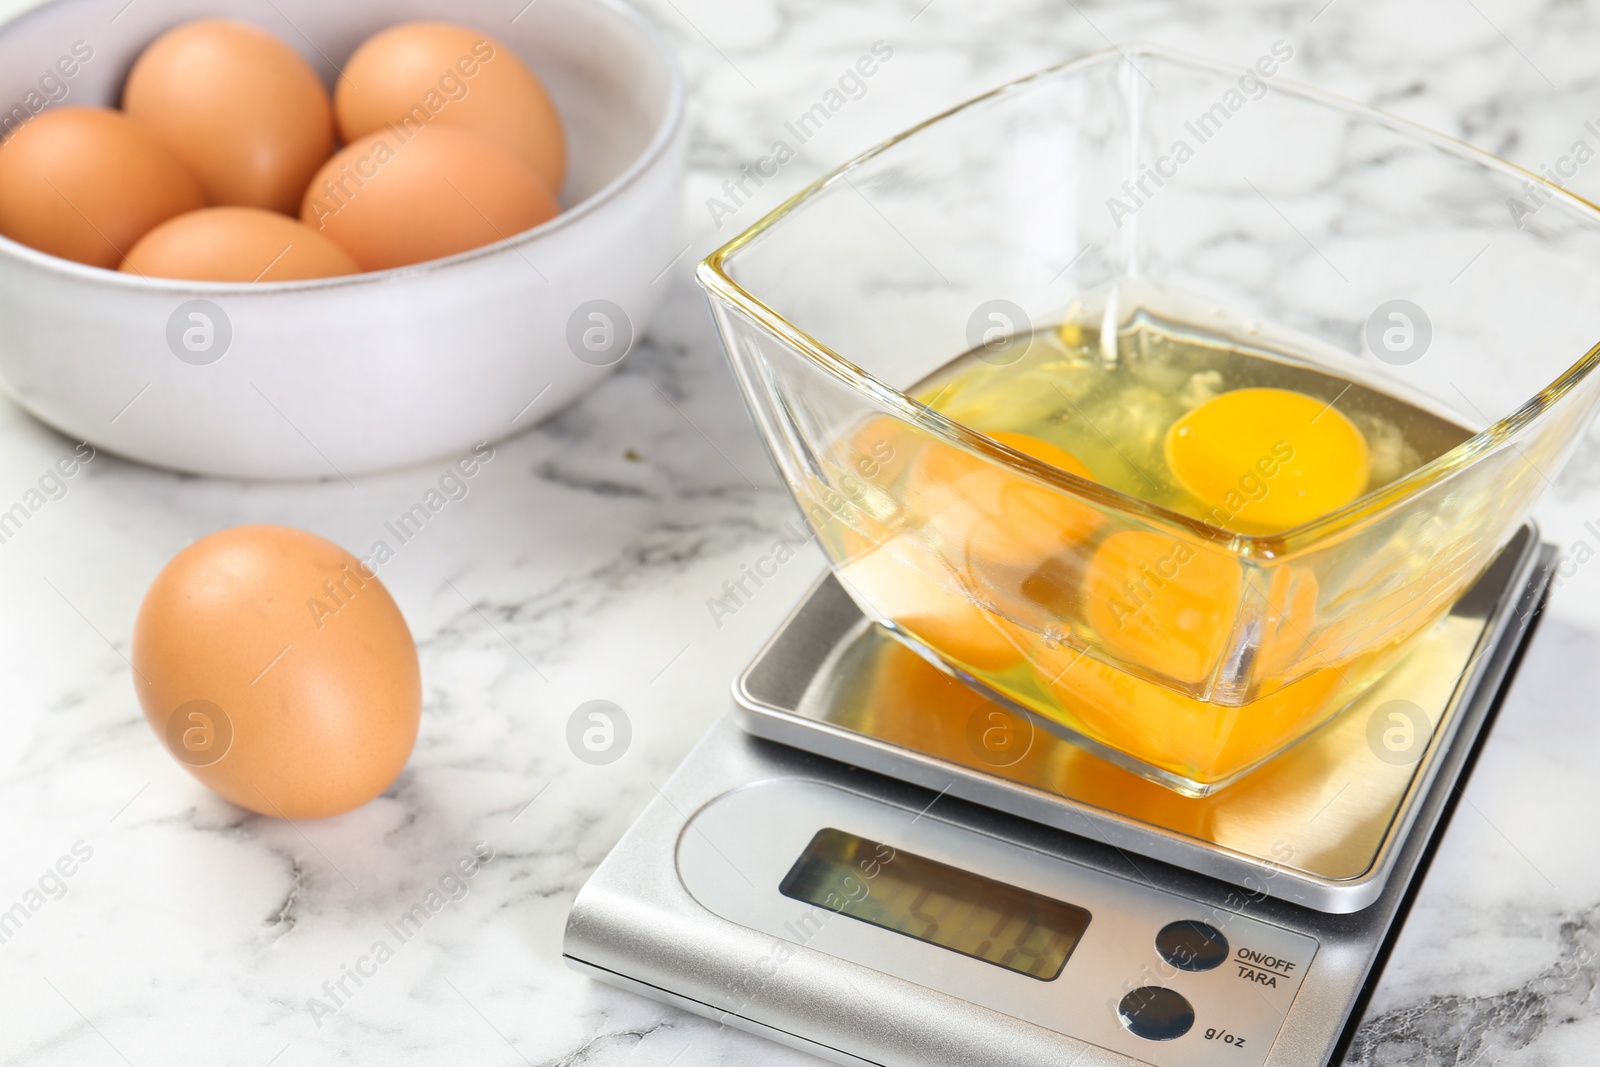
point(870, 861)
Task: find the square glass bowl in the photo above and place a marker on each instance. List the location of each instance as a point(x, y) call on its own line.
point(1129, 197)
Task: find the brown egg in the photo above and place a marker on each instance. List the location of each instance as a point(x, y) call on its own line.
point(422, 73)
point(279, 671)
point(240, 107)
point(85, 183)
point(237, 244)
point(391, 202)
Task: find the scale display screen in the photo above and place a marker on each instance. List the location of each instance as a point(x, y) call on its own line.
point(934, 902)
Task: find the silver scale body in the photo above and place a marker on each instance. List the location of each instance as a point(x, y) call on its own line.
point(686, 908)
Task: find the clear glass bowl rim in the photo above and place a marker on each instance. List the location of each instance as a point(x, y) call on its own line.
point(713, 275)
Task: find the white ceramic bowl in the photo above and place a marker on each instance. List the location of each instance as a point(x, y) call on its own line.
point(348, 375)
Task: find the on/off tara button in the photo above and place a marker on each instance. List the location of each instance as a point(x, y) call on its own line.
point(1192, 946)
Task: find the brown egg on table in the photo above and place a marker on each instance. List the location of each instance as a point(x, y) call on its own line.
point(279, 671)
point(85, 183)
point(391, 200)
point(433, 73)
point(240, 107)
point(237, 244)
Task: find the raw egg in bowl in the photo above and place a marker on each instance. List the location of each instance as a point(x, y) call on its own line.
point(418, 352)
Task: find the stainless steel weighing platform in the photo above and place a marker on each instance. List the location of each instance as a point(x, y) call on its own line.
point(847, 865)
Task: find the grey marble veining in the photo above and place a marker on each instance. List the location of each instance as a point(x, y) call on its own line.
point(579, 567)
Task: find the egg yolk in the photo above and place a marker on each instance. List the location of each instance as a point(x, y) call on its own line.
point(1043, 451)
point(1161, 602)
point(1199, 740)
point(1288, 619)
point(991, 510)
point(1267, 460)
point(969, 519)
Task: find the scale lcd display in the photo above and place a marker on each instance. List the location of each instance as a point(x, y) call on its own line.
point(934, 902)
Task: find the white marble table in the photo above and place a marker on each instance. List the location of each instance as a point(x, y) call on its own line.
point(584, 557)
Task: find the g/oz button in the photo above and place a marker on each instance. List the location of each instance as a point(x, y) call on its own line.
point(1192, 946)
point(1156, 1014)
